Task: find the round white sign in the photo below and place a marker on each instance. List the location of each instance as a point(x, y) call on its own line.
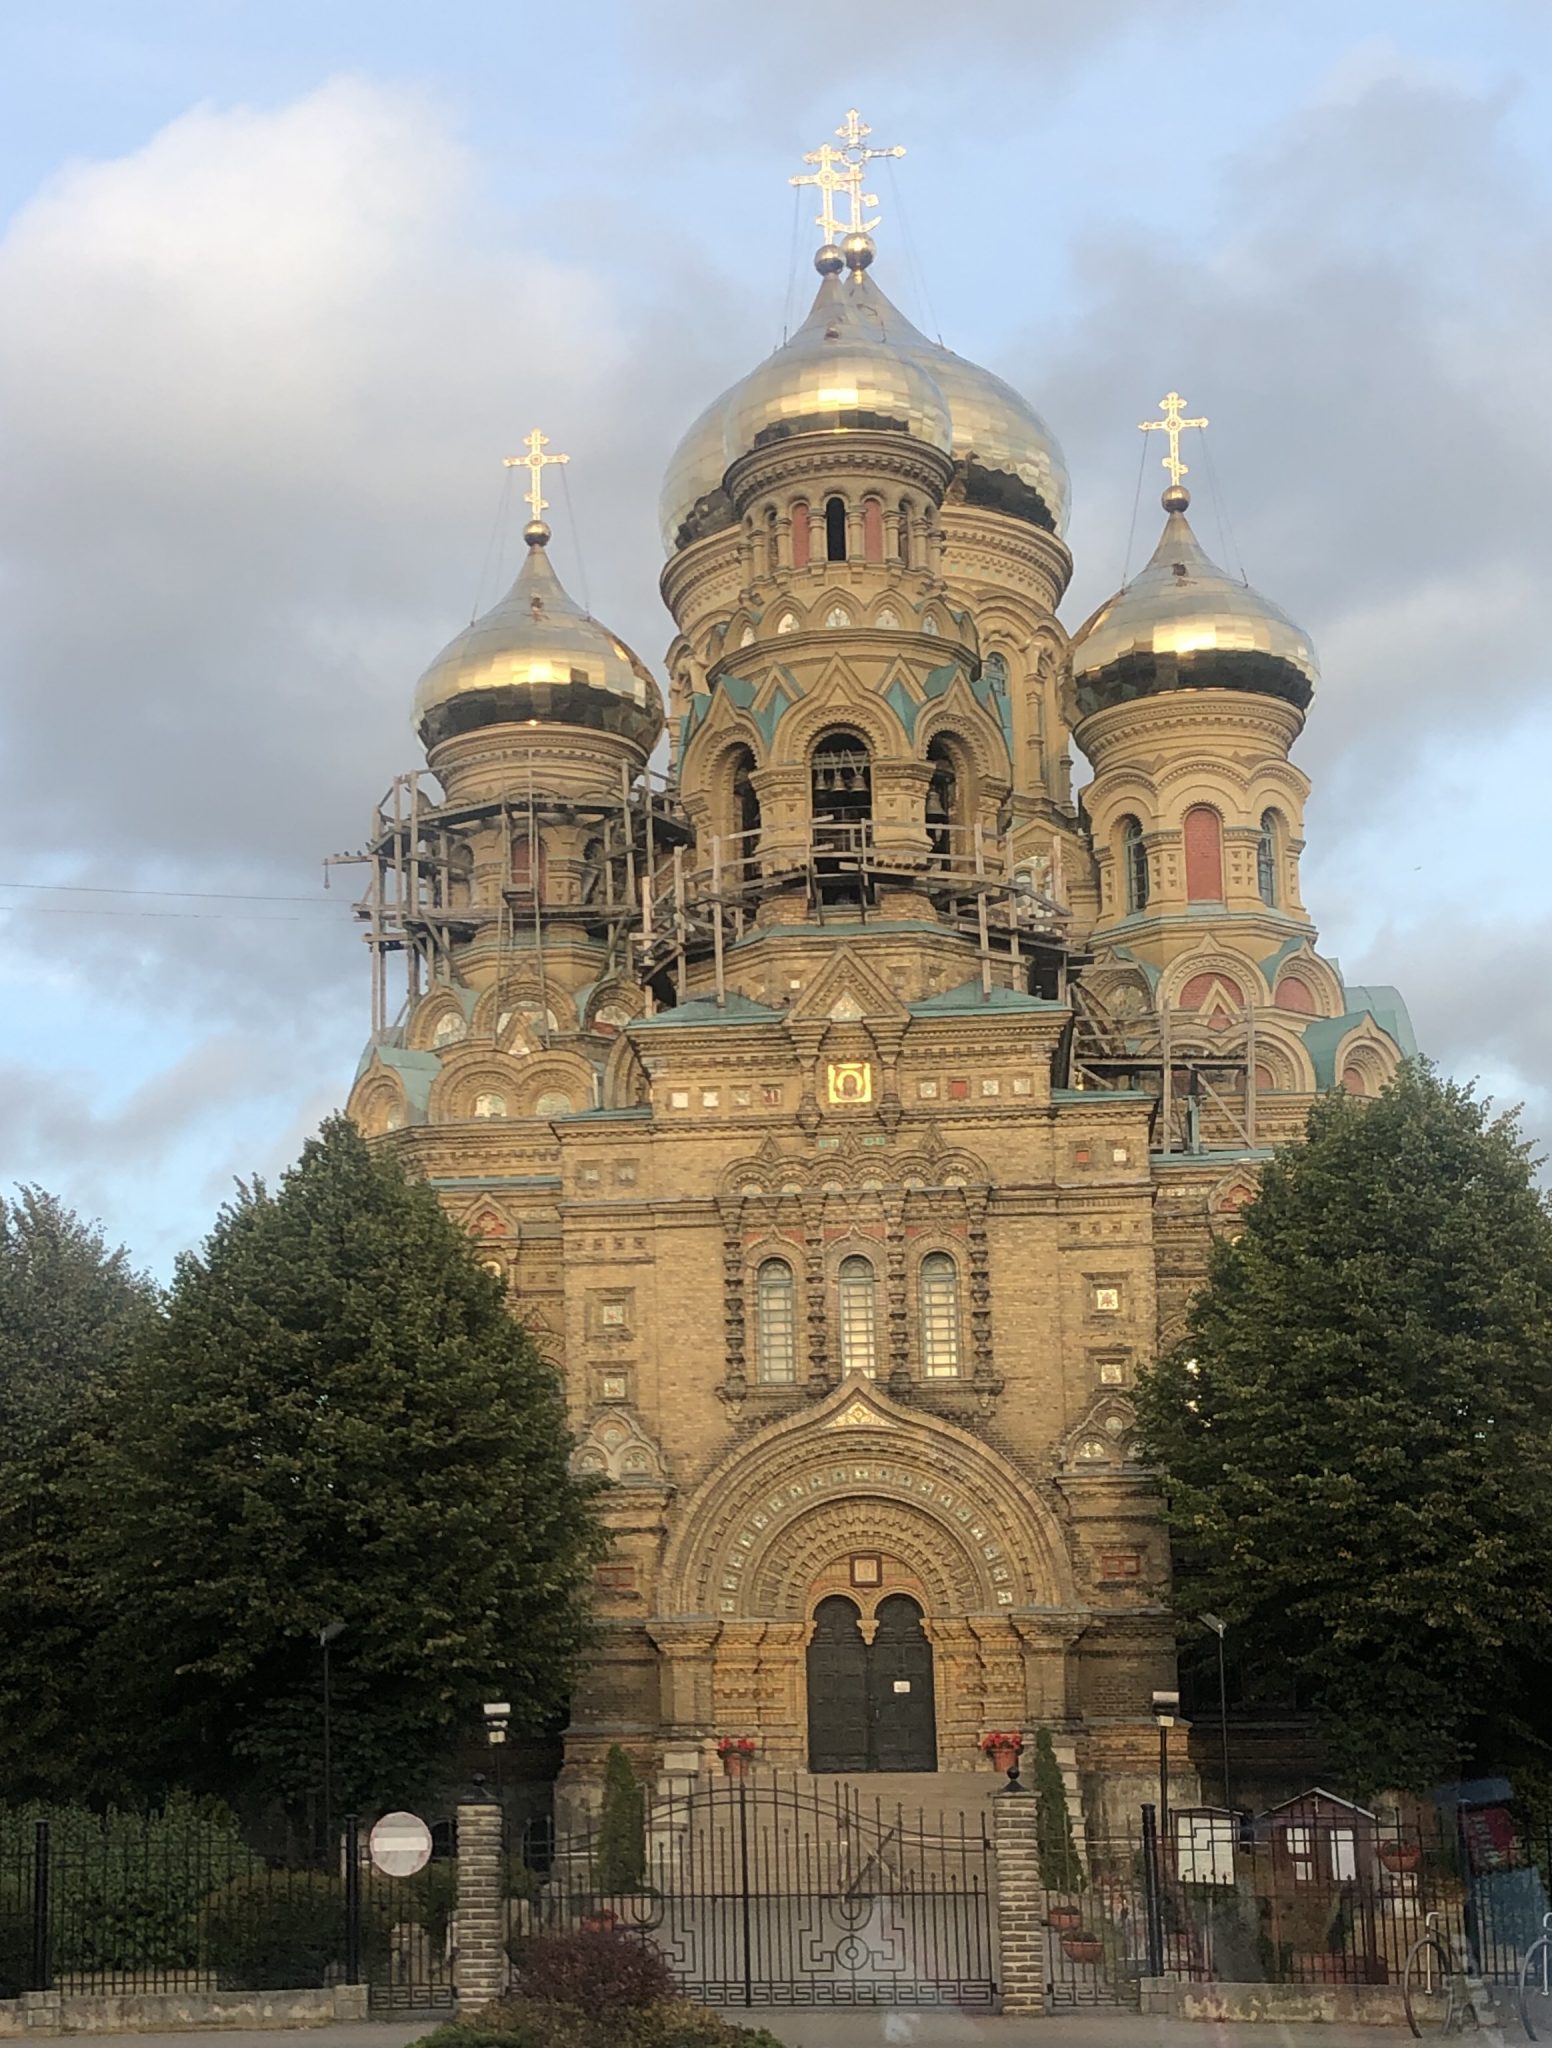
point(400, 1844)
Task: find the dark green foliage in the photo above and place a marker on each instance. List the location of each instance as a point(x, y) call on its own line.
point(1060, 1867)
point(284, 1930)
point(1356, 1435)
point(15, 1936)
point(70, 1311)
point(126, 1888)
point(599, 1973)
point(338, 1418)
point(668, 2023)
point(620, 1857)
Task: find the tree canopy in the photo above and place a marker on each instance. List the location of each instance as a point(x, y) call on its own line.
point(70, 1313)
point(1356, 1433)
point(338, 1419)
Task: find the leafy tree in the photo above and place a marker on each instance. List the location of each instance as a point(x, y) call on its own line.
point(1061, 1870)
point(622, 1841)
point(338, 1419)
point(1356, 1435)
point(70, 1311)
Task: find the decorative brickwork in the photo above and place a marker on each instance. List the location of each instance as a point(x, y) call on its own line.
point(1021, 1935)
point(480, 1958)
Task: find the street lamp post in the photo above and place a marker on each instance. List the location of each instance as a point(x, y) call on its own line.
point(327, 1635)
point(1166, 1711)
point(1219, 1628)
point(498, 1718)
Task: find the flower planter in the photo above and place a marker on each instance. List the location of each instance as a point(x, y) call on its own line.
point(1064, 1919)
point(1082, 1948)
point(735, 1765)
point(601, 1922)
point(1400, 1857)
point(1003, 1759)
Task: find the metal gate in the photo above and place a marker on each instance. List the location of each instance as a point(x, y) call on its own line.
point(764, 1893)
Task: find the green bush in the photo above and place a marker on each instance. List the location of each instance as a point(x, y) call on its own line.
point(284, 1930)
point(15, 1939)
point(125, 1888)
point(620, 1859)
point(1061, 1869)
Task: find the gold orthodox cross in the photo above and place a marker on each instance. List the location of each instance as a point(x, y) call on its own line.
point(843, 170)
point(534, 462)
point(1172, 424)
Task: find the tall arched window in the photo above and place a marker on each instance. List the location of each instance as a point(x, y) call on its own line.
point(772, 543)
point(775, 1325)
point(1202, 830)
point(835, 529)
point(1266, 860)
point(859, 1316)
point(872, 530)
point(905, 533)
point(1134, 864)
point(938, 1284)
point(800, 532)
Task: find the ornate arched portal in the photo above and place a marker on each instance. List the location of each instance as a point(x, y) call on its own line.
point(894, 1513)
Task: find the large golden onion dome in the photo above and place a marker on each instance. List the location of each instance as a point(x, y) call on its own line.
point(538, 657)
point(1182, 624)
point(857, 362)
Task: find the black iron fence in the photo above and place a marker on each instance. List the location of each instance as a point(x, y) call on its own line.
point(778, 1893)
point(1303, 1897)
point(178, 1902)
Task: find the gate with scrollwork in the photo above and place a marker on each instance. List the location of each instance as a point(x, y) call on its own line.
point(771, 1893)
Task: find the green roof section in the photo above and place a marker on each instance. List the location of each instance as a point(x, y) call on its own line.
point(416, 1070)
point(1387, 1006)
point(969, 999)
point(706, 1010)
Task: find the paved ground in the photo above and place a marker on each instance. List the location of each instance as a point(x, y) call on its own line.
point(874, 2030)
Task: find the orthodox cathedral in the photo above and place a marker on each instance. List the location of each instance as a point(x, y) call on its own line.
point(848, 1106)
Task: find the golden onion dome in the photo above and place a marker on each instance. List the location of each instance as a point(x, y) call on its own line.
point(538, 657)
point(1182, 624)
point(857, 362)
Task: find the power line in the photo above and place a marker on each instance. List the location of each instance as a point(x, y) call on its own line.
point(176, 895)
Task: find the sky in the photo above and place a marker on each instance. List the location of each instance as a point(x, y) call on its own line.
point(281, 283)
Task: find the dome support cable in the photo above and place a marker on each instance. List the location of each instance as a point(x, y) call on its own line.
point(1226, 538)
point(1131, 531)
point(495, 547)
point(919, 276)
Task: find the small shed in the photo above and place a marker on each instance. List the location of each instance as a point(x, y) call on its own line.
point(1318, 1838)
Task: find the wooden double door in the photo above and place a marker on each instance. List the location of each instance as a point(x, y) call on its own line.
point(870, 1705)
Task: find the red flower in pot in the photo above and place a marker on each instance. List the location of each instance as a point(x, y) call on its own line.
point(1082, 1947)
point(737, 1754)
point(1004, 1747)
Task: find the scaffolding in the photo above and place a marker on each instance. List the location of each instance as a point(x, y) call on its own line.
point(1205, 1092)
point(419, 903)
point(693, 910)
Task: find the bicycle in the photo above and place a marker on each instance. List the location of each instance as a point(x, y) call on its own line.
point(1536, 1985)
point(1434, 1988)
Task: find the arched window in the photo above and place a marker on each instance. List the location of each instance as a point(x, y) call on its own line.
point(939, 1289)
point(945, 794)
point(772, 546)
point(1134, 864)
point(490, 1103)
point(872, 530)
point(775, 1324)
point(744, 810)
point(524, 846)
point(553, 1103)
point(994, 670)
point(800, 536)
point(905, 533)
point(835, 529)
point(859, 1316)
point(1266, 860)
point(1203, 835)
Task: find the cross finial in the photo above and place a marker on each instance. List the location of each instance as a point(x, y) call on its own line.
point(1172, 424)
point(843, 170)
point(534, 462)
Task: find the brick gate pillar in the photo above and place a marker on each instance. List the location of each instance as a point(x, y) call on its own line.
point(1020, 1902)
point(480, 1951)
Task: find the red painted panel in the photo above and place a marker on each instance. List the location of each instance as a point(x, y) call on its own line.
point(1204, 855)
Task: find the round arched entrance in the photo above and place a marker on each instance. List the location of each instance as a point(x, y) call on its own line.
point(870, 1688)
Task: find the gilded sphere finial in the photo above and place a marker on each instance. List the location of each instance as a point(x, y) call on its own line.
point(536, 533)
point(859, 250)
point(829, 261)
point(1176, 498)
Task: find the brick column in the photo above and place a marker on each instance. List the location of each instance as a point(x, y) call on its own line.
point(1020, 1903)
point(480, 1951)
